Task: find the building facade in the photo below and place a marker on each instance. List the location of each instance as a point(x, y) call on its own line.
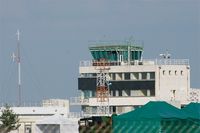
point(29, 115)
point(133, 81)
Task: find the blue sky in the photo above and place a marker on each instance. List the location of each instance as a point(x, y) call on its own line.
point(55, 36)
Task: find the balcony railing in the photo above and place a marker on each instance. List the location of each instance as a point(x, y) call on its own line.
point(136, 62)
point(78, 101)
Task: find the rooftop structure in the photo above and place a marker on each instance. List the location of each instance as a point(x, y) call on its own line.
point(116, 53)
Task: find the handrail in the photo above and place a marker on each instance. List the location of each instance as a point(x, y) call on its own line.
point(89, 63)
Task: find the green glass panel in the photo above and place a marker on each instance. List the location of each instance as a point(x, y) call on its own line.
point(136, 55)
point(140, 55)
point(132, 55)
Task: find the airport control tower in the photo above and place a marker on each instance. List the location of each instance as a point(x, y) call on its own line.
point(118, 79)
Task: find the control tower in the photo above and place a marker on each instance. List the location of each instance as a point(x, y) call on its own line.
point(130, 80)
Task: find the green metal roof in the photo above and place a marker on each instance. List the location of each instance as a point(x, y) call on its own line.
point(193, 109)
point(155, 117)
point(154, 110)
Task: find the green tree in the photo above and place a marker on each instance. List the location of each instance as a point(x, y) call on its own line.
point(9, 120)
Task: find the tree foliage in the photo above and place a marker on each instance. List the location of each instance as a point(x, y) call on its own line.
point(9, 120)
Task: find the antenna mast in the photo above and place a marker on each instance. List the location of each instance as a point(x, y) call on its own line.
point(19, 68)
point(102, 90)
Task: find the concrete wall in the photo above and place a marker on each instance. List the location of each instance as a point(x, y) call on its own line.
point(29, 115)
point(123, 101)
point(119, 69)
point(172, 82)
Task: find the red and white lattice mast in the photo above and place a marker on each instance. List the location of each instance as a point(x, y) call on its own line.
point(102, 86)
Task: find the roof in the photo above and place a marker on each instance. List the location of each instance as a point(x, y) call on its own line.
point(115, 48)
point(193, 109)
point(155, 111)
point(155, 117)
point(56, 119)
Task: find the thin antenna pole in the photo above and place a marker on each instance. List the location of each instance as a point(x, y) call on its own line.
point(19, 68)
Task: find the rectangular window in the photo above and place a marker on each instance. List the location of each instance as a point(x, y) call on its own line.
point(87, 93)
point(144, 75)
point(135, 76)
point(152, 75)
point(127, 76)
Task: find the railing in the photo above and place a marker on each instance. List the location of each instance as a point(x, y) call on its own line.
point(75, 114)
point(173, 62)
point(85, 114)
point(44, 103)
point(13, 104)
point(78, 101)
point(136, 62)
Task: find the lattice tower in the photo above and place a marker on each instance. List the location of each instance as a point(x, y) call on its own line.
point(102, 86)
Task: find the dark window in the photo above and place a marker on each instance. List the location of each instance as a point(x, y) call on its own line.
point(181, 72)
point(144, 75)
point(175, 72)
point(170, 72)
point(163, 72)
point(127, 76)
point(152, 75)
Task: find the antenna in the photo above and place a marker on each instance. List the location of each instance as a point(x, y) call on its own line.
point(17, 58)
point(166, 55)
point(102, 90)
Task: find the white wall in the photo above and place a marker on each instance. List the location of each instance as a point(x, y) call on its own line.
point(113, 69)
point(172, 82)
point(124, 101)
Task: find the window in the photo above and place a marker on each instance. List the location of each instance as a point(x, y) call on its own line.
point(87, 93)
point(170, 72)
point(127, 76)
point(175, 72)
point(144, 75)
point(152, 75)
point(181, 72)
point(94, 74)
point(135, 76)
point(163, 72)
point(119, 76)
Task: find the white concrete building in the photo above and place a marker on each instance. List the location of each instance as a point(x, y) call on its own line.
point(134, 81)
point(29, 115)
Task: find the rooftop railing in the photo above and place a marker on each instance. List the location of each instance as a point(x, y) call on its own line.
point(44, 103)
point(78, 101)
point(14, 104)
point(137, 62)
